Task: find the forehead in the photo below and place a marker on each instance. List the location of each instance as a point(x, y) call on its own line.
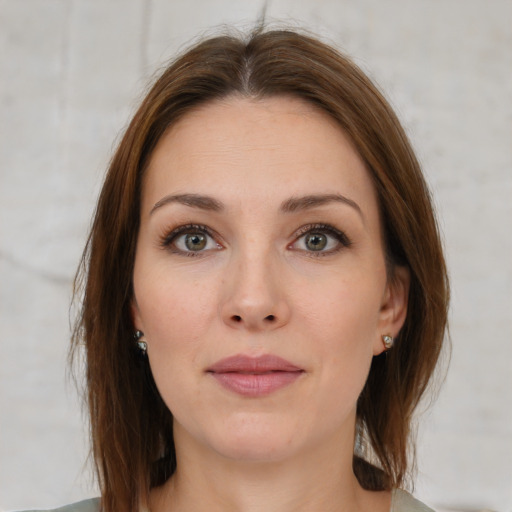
point(258, 149)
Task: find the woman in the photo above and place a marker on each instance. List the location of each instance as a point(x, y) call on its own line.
point(264, 289)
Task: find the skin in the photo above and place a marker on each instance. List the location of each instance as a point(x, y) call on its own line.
point(258, 288)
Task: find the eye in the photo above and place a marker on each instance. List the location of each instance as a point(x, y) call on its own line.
point(190, 240)
point(321, 239)
point(316, 241)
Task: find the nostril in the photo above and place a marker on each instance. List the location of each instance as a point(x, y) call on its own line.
point(270, 318)
point(237, 318)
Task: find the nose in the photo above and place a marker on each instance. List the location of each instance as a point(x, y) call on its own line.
point(255, 296)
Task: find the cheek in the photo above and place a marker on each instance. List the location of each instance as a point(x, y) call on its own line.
point(176, 315)
point(344, 310)
point(176, 324)
point(174, 305)
point(341, 318)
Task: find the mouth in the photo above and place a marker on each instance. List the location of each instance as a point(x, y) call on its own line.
point(254, 376)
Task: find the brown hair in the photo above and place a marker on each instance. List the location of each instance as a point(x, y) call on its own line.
point(131, 428)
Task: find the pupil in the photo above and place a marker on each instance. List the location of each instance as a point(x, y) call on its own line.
point(316, 241)
point(195, 242)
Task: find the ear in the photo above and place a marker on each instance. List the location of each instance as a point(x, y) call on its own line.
point(135, 314)
point(393, 310)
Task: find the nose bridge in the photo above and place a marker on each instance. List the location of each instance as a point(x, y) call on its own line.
point(255, 298)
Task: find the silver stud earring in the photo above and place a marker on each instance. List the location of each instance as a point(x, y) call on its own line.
point(142, 344)
point(388, 341)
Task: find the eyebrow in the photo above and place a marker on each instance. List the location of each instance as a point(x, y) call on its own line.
point(194, 200)
point(295, 204)
point(292, 205)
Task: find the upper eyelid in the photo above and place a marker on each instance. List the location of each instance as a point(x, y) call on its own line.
point(184, 228)
point(319, 226)
point(170, 235)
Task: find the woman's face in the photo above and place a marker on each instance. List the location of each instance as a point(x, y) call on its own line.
point(260, 279)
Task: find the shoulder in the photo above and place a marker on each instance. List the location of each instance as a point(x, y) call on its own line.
point(402, 501)
point(92, 505)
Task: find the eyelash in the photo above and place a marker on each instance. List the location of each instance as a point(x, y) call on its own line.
point(170, 238)
point(343, 241)
point(327, 229)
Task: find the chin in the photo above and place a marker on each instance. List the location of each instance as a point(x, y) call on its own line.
point(256, 441)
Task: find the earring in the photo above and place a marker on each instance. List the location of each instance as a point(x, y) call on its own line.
point(388, 341)
point(142, 344)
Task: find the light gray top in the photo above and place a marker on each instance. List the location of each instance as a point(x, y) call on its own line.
point(401, 501)
point(91, 505)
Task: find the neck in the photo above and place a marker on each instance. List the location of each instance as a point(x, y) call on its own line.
point(320, 479)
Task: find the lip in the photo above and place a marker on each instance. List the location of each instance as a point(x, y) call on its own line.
point(254, 376)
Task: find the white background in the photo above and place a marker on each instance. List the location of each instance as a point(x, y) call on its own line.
point(72, 71)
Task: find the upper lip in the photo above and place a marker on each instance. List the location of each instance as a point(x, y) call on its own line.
point(241, 363)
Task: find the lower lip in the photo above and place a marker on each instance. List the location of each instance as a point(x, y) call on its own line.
point(256, 384)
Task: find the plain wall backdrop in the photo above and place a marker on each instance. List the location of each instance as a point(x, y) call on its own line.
point(72, 72)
